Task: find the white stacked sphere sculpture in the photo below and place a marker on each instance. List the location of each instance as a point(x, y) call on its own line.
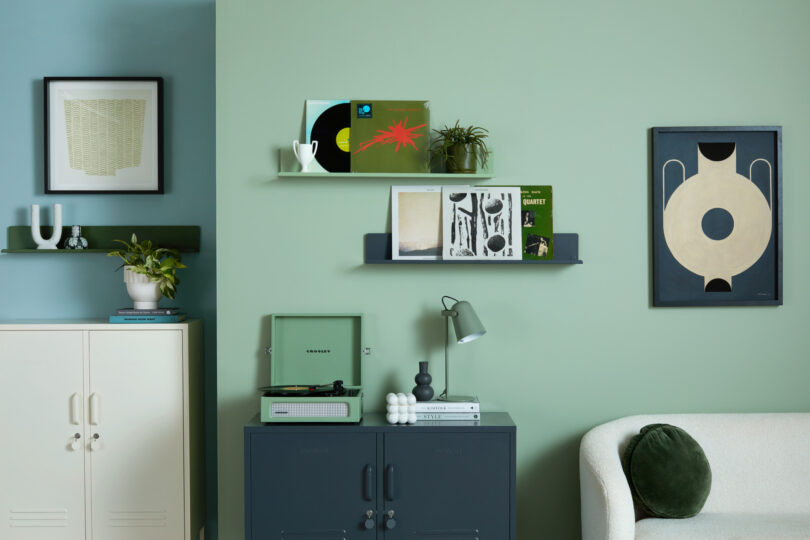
point(400, 408)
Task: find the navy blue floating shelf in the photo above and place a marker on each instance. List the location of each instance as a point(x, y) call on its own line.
point(378, 251)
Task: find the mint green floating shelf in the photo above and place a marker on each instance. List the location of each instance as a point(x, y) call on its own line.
point(289, 168)
point(184, 238)
point(437, 176)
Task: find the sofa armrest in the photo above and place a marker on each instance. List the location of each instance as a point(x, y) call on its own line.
point(607, 504)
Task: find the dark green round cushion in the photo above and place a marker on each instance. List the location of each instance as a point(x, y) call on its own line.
point(668, 472)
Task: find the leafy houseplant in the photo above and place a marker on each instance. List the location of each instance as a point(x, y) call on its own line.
point(158, 265)
point(461, 148)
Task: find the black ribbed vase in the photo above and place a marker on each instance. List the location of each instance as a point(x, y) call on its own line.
point(423, 391)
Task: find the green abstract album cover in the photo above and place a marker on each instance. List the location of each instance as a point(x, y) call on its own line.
point(390, 136)
point(536, 222)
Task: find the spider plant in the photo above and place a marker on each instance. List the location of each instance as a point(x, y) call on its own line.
point(460, 147)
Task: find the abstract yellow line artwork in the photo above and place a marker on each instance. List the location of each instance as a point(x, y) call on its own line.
point(104, 135)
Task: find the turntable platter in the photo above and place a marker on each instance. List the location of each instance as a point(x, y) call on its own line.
point(334, 389)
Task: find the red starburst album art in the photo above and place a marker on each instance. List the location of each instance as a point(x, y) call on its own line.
point(390, 136)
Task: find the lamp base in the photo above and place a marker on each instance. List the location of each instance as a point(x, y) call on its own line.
point(458, 399)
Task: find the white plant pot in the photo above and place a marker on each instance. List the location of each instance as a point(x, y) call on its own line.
point(144, 292)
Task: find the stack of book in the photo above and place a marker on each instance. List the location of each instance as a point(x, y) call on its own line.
point(448, 410)
point(158, 315)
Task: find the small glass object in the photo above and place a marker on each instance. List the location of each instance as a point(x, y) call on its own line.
point(76, 240)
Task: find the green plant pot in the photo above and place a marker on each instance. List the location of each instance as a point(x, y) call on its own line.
point(461, 158)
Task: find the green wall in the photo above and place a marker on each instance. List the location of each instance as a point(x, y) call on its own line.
point(569, 91)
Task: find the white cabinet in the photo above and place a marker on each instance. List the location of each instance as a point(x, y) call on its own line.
point(41, 476)
point(103, 431)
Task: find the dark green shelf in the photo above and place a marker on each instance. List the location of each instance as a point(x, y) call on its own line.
point(185, 238)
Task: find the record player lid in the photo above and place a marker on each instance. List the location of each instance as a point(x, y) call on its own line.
point(316, 347)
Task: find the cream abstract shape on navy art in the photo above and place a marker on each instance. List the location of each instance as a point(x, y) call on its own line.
point(716, 224)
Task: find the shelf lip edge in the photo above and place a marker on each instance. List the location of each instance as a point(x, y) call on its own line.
point(448, 176)
point(391, 261)
point(91, 250)
point(374, 241)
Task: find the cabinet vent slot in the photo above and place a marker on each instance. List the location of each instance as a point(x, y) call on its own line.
point(314, 535)
point(38, 518)
point(448, 534)
point(137, 518)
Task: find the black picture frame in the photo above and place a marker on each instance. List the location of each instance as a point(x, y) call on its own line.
point(103, 135)
point(717, 216)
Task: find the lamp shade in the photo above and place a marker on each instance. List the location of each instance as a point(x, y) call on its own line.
point(466, 324)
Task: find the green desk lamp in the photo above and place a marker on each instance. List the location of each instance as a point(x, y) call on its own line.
point(468, 328)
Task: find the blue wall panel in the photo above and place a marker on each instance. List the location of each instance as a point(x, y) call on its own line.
point(173, 39)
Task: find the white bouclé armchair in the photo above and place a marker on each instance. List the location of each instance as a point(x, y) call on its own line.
point(760, 479)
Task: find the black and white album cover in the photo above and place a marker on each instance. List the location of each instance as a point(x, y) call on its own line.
point(481, 223)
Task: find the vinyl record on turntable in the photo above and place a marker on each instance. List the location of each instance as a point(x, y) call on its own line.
point(328, 123)
point(333, 389)
point(289, 390)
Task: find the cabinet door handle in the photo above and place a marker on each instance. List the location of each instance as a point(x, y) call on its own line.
point(368, 483)
point(94, 409)
point(75, 413)
point(389, 482)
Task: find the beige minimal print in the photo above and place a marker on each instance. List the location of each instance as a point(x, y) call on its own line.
point(104, 135)
point(416, 222)
point(420, 228)
point(717, 185)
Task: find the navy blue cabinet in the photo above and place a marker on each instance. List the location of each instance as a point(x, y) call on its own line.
point(447, 485)
point(444, 481)
point(293, 494)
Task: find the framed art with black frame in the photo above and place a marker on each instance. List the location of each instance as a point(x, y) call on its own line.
point(103, 135)
point(717, 216)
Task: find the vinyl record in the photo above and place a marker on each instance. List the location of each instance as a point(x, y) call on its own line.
point(334, 389)
point(331, 130)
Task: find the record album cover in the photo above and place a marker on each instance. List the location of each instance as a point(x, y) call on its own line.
point(481, 223)
point(536, 222)
point(416, 222)
point(327, 121)
point(390, 136)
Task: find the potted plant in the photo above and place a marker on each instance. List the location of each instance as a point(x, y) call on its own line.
point(461, 148)
point(149, 271)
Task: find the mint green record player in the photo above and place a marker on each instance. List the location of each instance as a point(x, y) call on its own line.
point(315, 369)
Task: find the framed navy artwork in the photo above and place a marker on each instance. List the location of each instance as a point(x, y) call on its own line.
point(717, 216)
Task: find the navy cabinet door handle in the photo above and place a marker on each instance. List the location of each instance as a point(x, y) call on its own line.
point(389, 482)
point(368, 483)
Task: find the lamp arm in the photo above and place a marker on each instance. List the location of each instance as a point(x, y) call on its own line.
point(446, 357)
point(446, 392)
point(451, 298)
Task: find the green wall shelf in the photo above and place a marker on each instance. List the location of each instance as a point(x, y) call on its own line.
point(378, 251)
point(185, 238)
point(289, 168)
